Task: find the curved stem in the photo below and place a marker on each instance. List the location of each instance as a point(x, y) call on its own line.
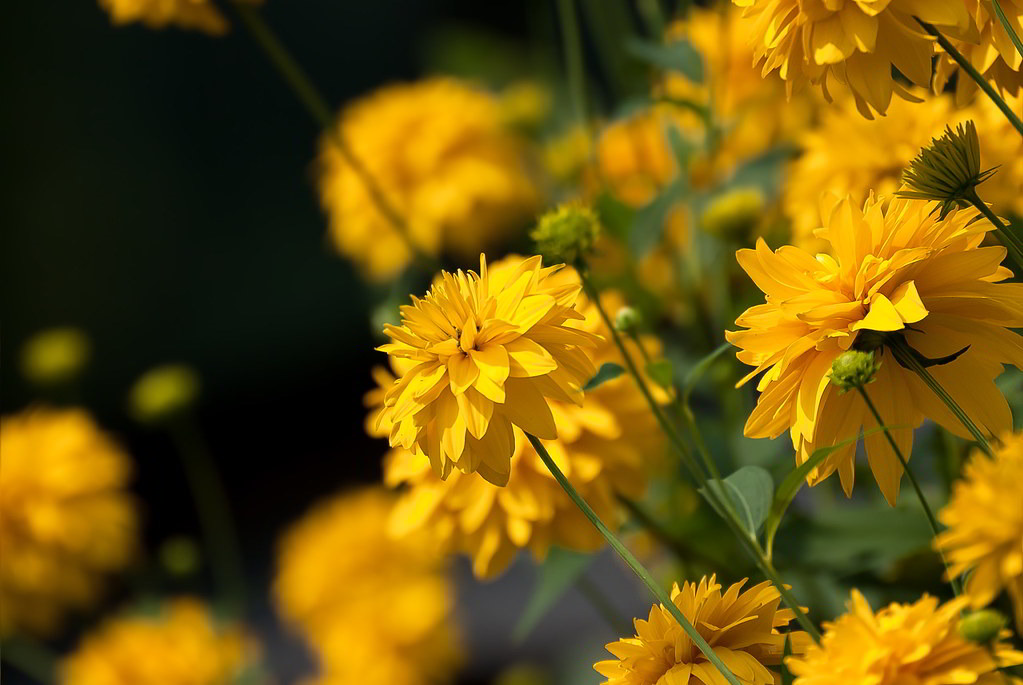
point(1012, 242)
point(928, 512)
point(632, 562)
point(965, 65)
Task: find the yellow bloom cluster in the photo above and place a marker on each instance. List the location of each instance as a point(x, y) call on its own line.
point(181, 644)
point(985, 526)
point(441, 155)
point(201, 15)
point(65, 519)
point(902, 643)
point(604, 447)
point(741, 626)
point(374, 610)
point(993, 55)
point(894, 269)
point(855, 43)
point(489, 350)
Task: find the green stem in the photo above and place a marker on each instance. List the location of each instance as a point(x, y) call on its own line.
point(928, 512)
point(632, 562)
point(1012, 242)
point(573, 49)
point(30, 657)
point(1007, 26)
point(317, 108)
point(603, 606)
point(965, 65)
point(211, 504)
point(900, 348)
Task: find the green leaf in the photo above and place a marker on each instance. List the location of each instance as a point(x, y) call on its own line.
point(678, 56)
point(750, 490)
point(661, 372)
point(556, 575)
point(606, 372)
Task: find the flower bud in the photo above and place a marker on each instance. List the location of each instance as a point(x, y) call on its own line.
point(947, 170)
point(566, 233)
point(854, 369)
point(733, 214)
point(627, 319)
point(982, 626)
point(54, 356)
point(525, 104)
point(163, 392)
point(180, 556)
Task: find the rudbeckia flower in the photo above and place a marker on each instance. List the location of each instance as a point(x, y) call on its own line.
point(65, 518)
point(985, 526)
point(895, 272)
point(855, 43)
point(994, 55)
point(742, 627)
point(490, 351)
point(201, 15)
point(902, 643)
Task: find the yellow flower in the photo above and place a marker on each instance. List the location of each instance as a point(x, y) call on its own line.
point(605, 448)
point(375, 610)
point(1001, 146)
point(442, 157)
point(994, 55)
point(182, 644)
point(855, 43)
point(202, 15)
point(985, 526)
point(490, 350)
point(895, 271)
point(902, 643)
point(741, 626)
point(634, 158)
point(65, 519)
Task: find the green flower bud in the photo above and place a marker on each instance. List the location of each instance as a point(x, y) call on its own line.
point(180, 556)
point(947, 170)
point(982, 626)
point(733, 214)
point(567, 233)
point(627, 319)
point(854, 369)
point(55, 355)
point(163, 392)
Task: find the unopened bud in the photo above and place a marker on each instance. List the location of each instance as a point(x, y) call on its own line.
point(54, 356)
point(982, 626)
point(733, 214)
point(627, 319)
point(566, 233)
point(947, 170)
point(854, 369)
point(163, 392)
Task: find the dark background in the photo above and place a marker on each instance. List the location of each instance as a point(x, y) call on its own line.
point(157, 192)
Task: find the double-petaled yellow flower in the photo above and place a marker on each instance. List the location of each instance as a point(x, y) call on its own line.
point(65, 518)
point(993, 55)
point(895, 271)
point(855, 43)
point(490, 350)
point(742, 627)
point(985, 526)
point(201, 15)
point(902, 643)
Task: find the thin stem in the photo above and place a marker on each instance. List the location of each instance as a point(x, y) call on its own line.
point(317, 108)
point(1012, 242)
point(603, 606)
point(30, 657)
point(573, 53)
point(905, 357)
point(211, 504)
point(1013, 36)
point(632, 562)
point(965, 65)
point(928, 512)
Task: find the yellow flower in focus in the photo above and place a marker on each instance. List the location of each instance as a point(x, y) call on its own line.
point(894, 270)
point(374, 610)
point(65, 519)
point(994, 55)
point(201, 15)
point(855, 43)
point(985, 526)
point(490, 349)
point(741, 626)
point(606, 447)
point(181, 645)
point(902, 643)
point(441, 155)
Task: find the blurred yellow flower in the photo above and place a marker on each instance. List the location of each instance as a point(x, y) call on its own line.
point(902, 643)
point(201, 15)
point(1001, 146)
point(441, 155)
point(633, 156)
point(894, 270)
point(65, 519)
point(374, 610)
point(566, 155)
point(606, 448)
point(985, 526)
point(741, 626)
point(55, 355)
point(490, 350)
point(854, 43)
point(994, 55)
point(181, 644)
